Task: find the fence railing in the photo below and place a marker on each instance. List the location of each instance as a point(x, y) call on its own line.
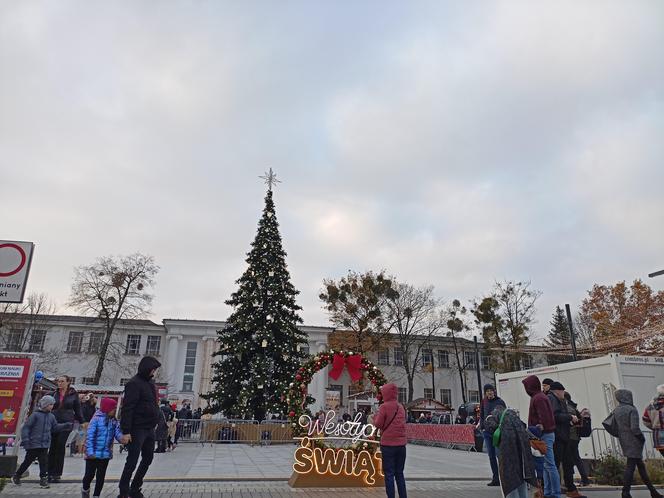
point(227, 431)
point(604, 443)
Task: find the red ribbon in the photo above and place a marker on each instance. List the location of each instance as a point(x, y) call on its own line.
point(352, 362)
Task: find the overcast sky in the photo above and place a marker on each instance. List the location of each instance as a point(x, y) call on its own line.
point(450, 143)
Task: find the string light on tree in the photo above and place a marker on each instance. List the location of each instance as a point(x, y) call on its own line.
point(262, 329)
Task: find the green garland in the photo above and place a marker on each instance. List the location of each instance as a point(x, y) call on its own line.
point(297, 397)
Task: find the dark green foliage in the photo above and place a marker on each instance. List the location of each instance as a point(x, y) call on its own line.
point(559, 337)
point(260, 348)
point(609, 470)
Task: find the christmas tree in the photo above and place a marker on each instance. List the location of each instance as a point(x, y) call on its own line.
point(260, 348)
point(559, 337)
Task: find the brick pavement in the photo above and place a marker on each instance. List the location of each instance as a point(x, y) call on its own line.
point(423, 489)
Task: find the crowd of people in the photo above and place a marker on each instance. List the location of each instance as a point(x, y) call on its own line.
point(45, 434)
point(539, 452)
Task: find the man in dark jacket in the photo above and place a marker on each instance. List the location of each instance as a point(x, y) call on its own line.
point(140, 414)
point(562, 448)
point(489, 403)
point(540, 414)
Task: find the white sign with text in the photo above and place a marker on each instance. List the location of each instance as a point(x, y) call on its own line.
point(15, 260)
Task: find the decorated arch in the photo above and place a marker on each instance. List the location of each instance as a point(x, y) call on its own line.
point(354, 460)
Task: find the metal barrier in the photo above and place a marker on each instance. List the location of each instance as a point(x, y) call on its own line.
point(604, 443)
point(229, 431)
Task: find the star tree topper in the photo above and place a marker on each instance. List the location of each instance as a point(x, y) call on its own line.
point(270, 179)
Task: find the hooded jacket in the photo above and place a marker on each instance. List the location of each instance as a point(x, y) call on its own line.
point(540, 411)
point(140, 409)
point(391, 418)
point(101, 431)
point(36, 432)
point(516, 464)
point(627, 418)
point(487, 406)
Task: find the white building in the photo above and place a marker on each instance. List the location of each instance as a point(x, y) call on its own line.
point(188, 359)
point(68, 345)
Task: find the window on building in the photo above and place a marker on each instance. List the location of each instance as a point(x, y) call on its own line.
point(427, 357)
point(398, 357)
point(133, 344)
point(189, 367)
point(443, 359)
point(340, 388)
point(96, 342)
point(14, 340)
point(88, 381)
point(446, 396)
point(486, 362)
point(153, 346)
point(527, 361)
point(428, 393)
point(75, 342)
point(124, 380)
point(354, 388)
point(72, 380)
point(384, 357)
point(37, 340)
point(469, 359)
point(473, 396)
point(402, 394)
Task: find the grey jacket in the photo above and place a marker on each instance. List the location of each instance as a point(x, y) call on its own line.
point(36, 432)
point(629, 433)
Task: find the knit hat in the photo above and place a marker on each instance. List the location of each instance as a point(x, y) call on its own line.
point(108, 405)
point(547, 381)
point(489, 387)
point(45, 401)
point(557, 386)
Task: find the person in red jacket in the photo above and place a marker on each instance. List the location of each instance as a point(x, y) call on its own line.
point(540, 414)
point(391, 420)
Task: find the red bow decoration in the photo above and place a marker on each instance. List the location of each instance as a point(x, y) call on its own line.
point(352, 362)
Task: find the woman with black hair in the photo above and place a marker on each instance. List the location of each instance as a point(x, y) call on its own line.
point(67, 408)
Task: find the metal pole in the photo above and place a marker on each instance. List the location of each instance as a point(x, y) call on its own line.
point(656, 274)
point(572, 337)
point(478, 367)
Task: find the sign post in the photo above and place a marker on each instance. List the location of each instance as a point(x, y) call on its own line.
point(15, 260)
point(16, 379)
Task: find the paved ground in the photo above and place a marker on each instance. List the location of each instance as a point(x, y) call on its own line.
point(241, 461)
point(440, 489)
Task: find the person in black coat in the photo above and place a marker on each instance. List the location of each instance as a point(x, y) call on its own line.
point(563, 447)
point(489, 403)
point(139, 417)
point(166, 416)
point(67, 409)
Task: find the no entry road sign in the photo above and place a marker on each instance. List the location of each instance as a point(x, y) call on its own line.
point(15, 259)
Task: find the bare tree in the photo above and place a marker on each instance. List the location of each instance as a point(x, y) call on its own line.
point(456, 327)
point(113, 289)
point(414, 315)
point(357, 302)
point(23, 328)
point(517, 306)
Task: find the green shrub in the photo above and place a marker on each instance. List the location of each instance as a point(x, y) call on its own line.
point(609, 470)
point(655, 470)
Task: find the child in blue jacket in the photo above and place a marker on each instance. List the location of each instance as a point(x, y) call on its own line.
point(36, 439)
point(102, 430)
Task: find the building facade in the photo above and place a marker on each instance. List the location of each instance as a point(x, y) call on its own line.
point(69, 345)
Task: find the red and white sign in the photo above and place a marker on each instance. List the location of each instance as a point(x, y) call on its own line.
point(15, 259)
point(14, 384)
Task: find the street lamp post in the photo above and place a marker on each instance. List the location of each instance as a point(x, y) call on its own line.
point(656, 274)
